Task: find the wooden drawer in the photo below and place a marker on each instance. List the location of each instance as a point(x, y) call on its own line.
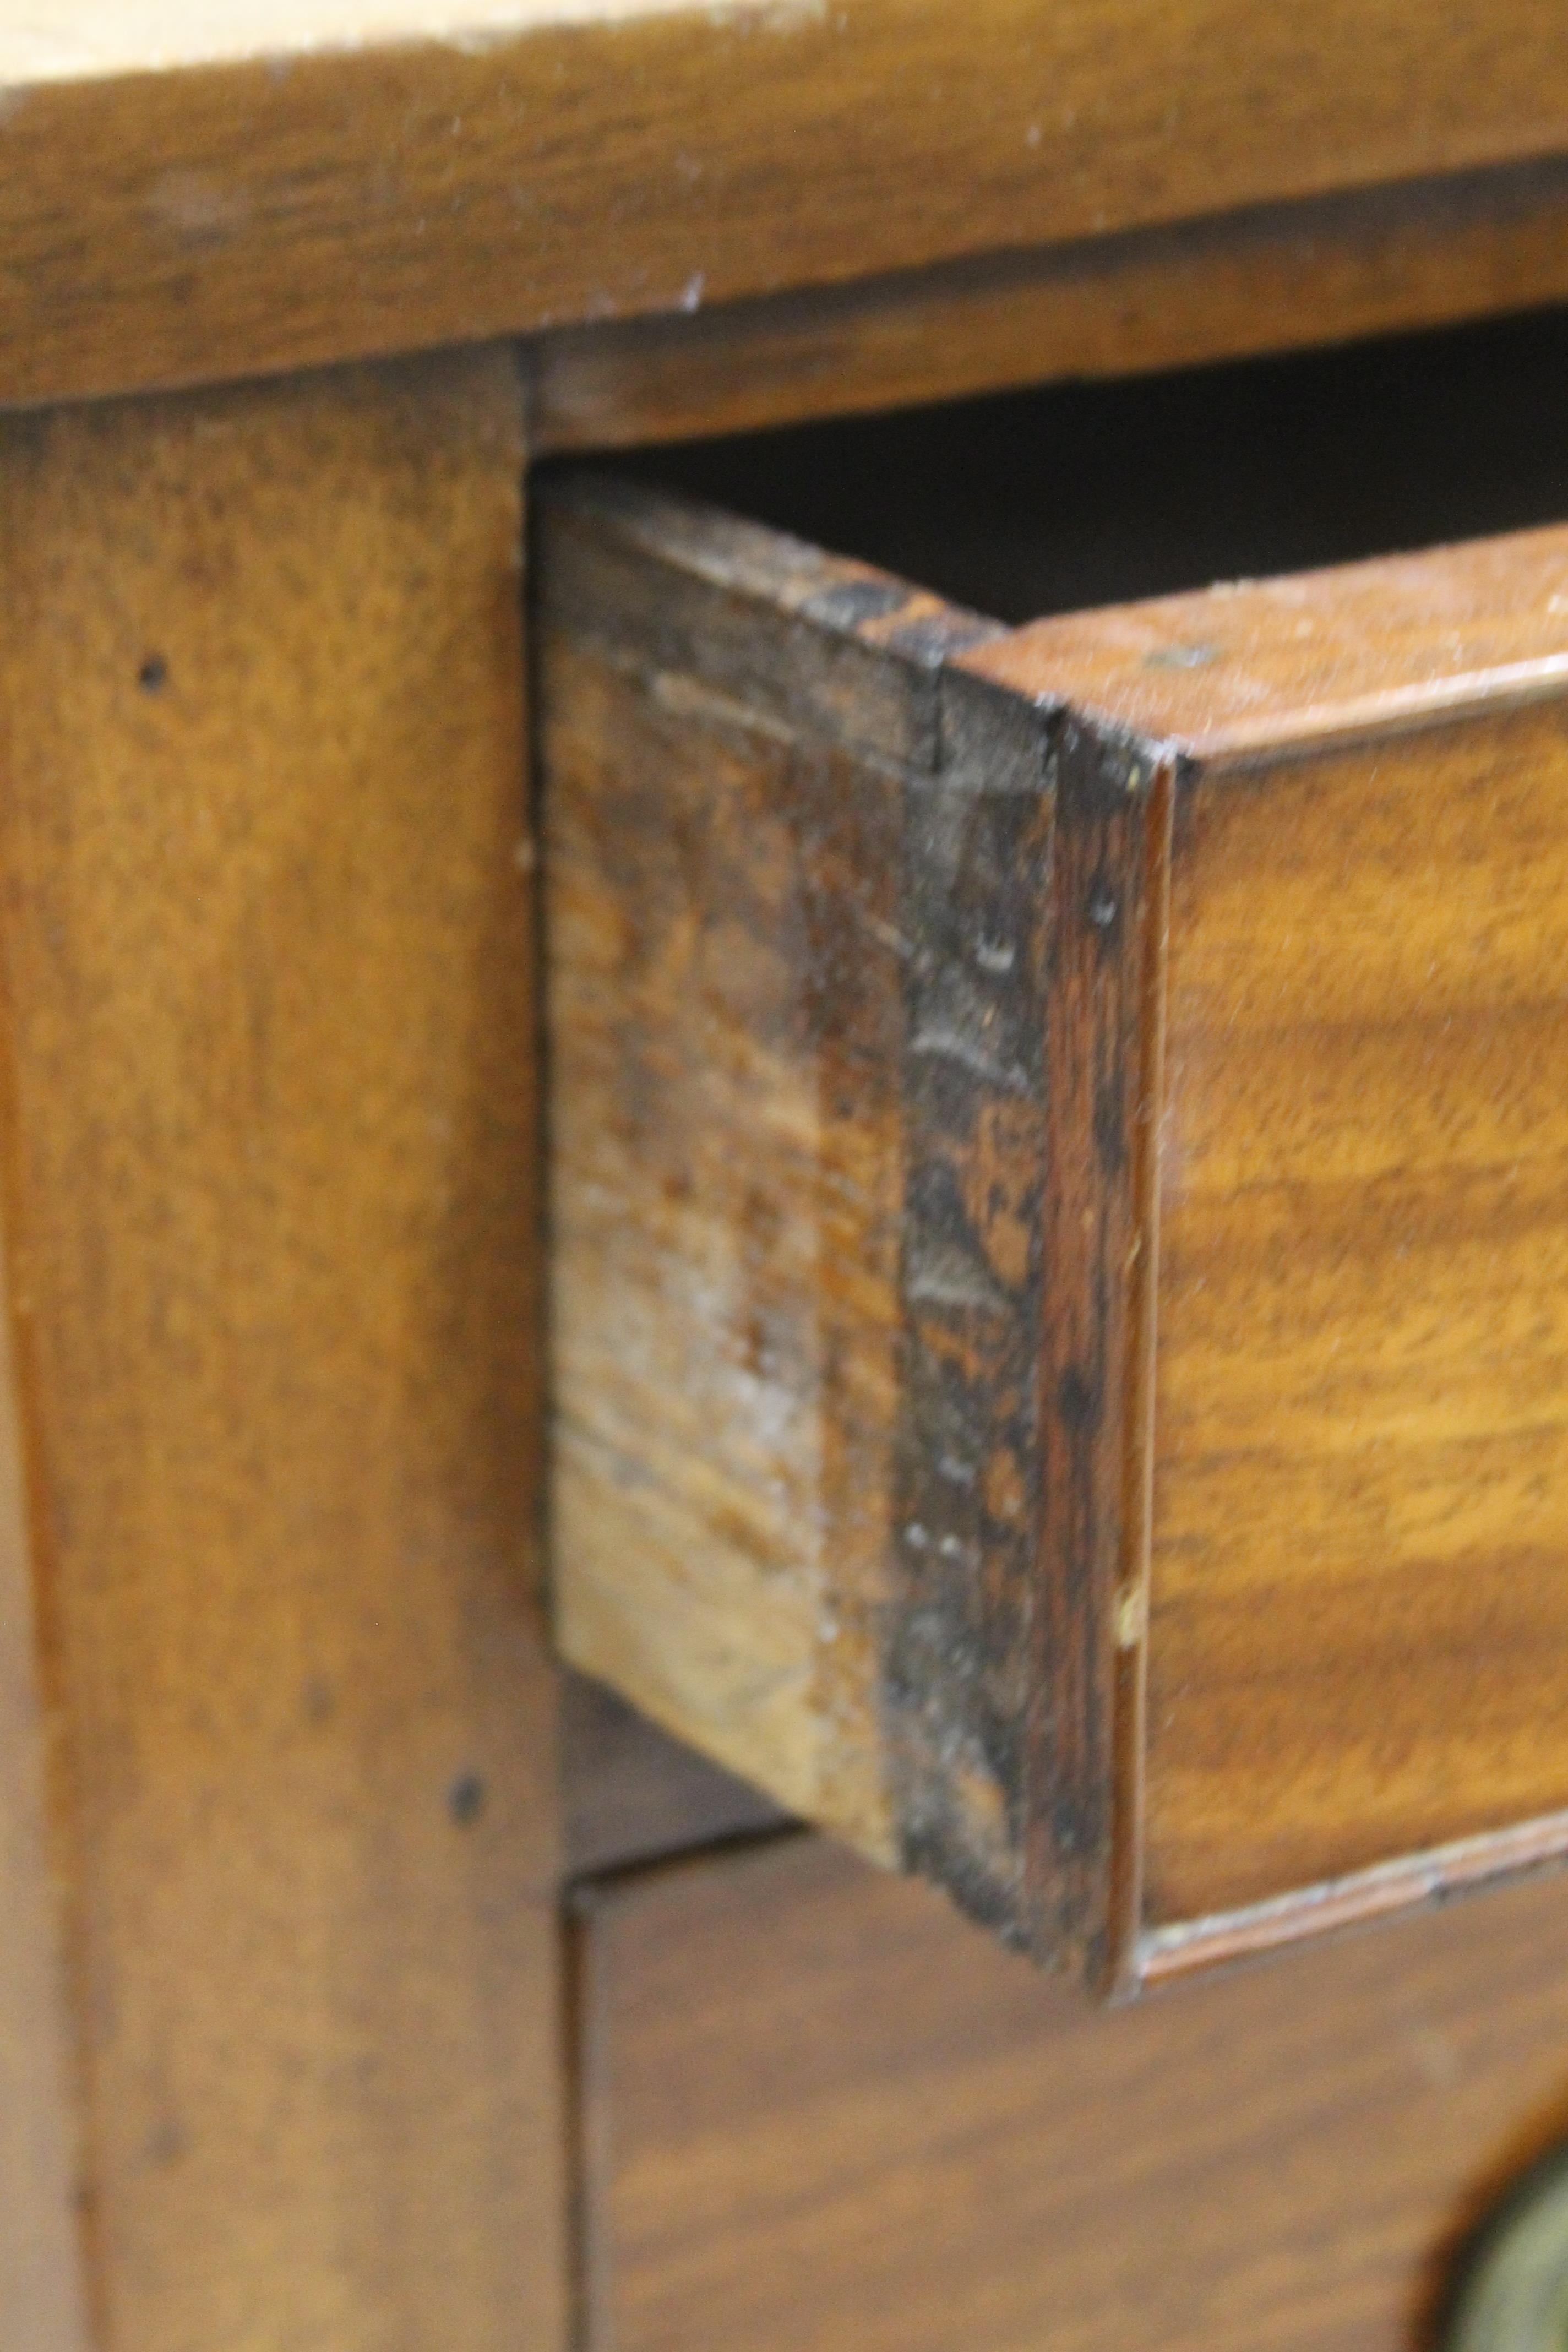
point(1060, 1178)
point(819, 2112)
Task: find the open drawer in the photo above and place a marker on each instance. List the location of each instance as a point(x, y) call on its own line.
point(1060, 1146)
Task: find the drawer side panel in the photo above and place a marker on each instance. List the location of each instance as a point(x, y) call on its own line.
point(798, 899)
point(726, 1198)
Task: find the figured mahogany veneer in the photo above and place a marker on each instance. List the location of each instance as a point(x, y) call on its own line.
point(1062, 1216)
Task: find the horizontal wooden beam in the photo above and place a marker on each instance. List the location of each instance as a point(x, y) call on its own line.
point(1270, 278)
point(229, 215)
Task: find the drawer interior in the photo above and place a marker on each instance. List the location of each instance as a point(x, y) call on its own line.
point(1092, 494)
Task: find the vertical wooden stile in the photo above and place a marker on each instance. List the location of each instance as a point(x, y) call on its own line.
point(271, 1240)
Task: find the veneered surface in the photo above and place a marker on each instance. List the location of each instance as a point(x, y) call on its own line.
point(1359, 1629)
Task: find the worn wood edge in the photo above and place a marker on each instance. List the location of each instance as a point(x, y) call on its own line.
point(712, 544)
point(973, 907)
point(865, 648)
point(1084, 1734)
point(1514, 581)
point(1264, 280)
point(239, 218)
point(1385, 1891)
point(1130, 1705)
point(1242, 750)
point(984, 1746)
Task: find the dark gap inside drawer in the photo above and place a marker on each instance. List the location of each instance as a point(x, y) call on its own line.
point(1084, 494)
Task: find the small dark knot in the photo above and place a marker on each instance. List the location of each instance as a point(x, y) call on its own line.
point(466, 1799)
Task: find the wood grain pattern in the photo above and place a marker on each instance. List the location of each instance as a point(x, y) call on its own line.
point(1362, 1514)
point(808, 901)
point(178, 225)
point(725, 724)
point(820, 2112)
point(1264, 280)
point(269, 1134)
point(1359, 1457)
point(1047, 1434)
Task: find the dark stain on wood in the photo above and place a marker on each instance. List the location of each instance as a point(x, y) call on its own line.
point(977, 853)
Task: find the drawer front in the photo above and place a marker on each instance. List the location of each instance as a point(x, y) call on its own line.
point(820, 2112)
point(1061, 1217)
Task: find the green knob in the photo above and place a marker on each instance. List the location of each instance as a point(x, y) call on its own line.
point(1512, 2294)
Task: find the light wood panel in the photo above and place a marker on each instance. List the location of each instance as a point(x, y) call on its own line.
point(203, 220)
point(269, 1118)
point(820, 2112)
